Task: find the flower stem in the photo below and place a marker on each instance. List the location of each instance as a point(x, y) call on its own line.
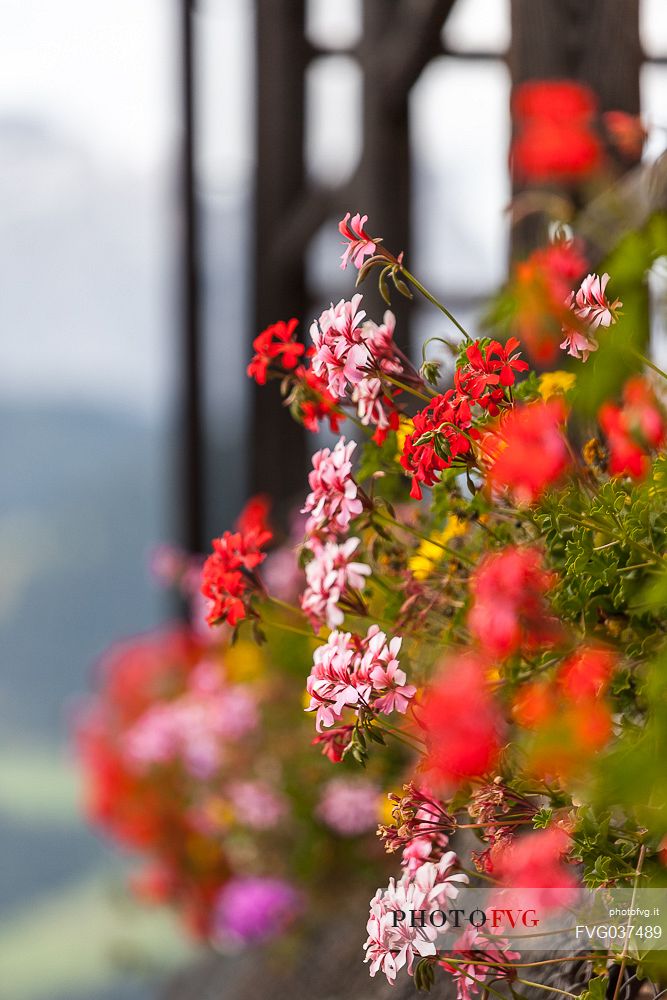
point(432, 299)
point(420, 534)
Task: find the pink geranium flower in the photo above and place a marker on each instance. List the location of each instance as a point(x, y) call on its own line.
point(359, 243)
point(380, 662)
point(333, 501)
point(592, 307)
point(350, 671)
point(329, 574)
point(341, 356)
point(393, 943)
point(335, 682)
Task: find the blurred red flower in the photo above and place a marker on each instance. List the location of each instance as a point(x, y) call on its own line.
point(541, 287)
point(463, 724)
point(555, 140)
point(509, 611)
point(632, 429)
point(526, 452)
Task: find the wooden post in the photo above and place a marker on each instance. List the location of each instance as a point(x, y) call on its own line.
point(593, 41)
point(191, 471)
point(277, 444)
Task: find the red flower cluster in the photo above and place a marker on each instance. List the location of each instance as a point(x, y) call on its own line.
point(227, 576)
point(541, 287)
point(632, 429)
point(509, 612)
point(314, 402)
point(537, 861)
point(275, 345)
point(444, 428)
point(555, 140)
point(526, 452)
point(463, 725)
point(489, 370)
point(569, 716)
point(443, 432)
point(138, 808)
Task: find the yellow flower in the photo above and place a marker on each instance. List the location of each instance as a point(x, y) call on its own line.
point(405, 427)
point(555, 384)
point(430, 553)
point(244, 661)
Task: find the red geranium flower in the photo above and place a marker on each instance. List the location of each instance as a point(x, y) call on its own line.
point(442, 433)
point(489, 369)
point(527, 452)
point(537, 861)
point(463, 725)
point(275, 344)
point(554, 138)
point(314, 402)
point(586, 674)
point(509, 611)
point(626, 132)
point(553, 100)
point(227, 577)
point(632, 429)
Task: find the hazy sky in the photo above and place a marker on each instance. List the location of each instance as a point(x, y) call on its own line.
point(99, 77)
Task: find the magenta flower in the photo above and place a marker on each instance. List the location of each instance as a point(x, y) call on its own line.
point(359, 243)
point(251, 909)
point(329, 574)
point(333, 501)
point(350, 806)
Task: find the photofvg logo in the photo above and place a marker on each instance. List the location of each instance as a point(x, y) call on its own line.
point(539, 919)
point(492, 918)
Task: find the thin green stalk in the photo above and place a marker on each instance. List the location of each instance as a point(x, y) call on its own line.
point(408, 388)
point(432, 299)
point(426, 538)
point(543, 986)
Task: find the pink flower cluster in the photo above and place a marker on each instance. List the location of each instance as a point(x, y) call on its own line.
point(350, 806)
point(193, 728)
point(340, 353)
point(392, 943)
point(479, 955)
point(333, 500)
point(593, 309)
point(329, 574)
point(353, 672)
point(257, 805)
point(347, 350)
